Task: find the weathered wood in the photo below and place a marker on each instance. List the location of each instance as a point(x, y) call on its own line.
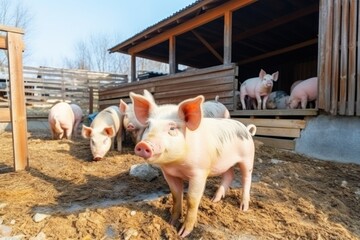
point(5, 115)
point(9, 29)
point(275, 112)
point(335, 59)
point(3, 43)
point(352, 58)
point(227, 37)
point(358, 73)
point(344, 57)
point(172, 55)
point(270, 122)
point(208, 46)
point(18, 110)
point(278, 132)
point(277, 143)
point(323, 24)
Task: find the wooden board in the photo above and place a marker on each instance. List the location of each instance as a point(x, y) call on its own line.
point(277, 143)
point(5, 115)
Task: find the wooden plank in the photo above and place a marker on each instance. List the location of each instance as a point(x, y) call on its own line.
point(352, 58)
point(270, 122)
point(18, 110)
point(323, 11)
point(344, 57)
point(3, 43)
point(358, 74)
point(277, 143)
point(5, 115)
point(335, 58)
point(275, 112)
point(278, 132)
point(227, 37)
point(4, 28)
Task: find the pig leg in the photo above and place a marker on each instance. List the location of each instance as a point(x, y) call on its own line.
point(227, 178)
point(246, 173)
point(195, 192)
point(264, 101)
point(303, 102)
point(177, 189)
point(258, 99)
point(119, 141)
point(242, 100)
point(68, 134)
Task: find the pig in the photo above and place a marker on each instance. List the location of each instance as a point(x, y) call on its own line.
point(188, 147)
point(130, 123)
point(294, 84)
point(61, 121)
point(215, 109)
point(277, 100)
point(303, 93)
point(78, 114)
point(258, 87)
point(103, 131)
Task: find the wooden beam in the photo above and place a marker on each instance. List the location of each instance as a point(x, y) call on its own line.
point(275, 112)
point(227, 37)
point(280, 51)
point(133, 68)
point(172, 55)
point(191, 24)
point(4, 28)
point(270, 122)
point(3, 43)
point(5, 115)
point(207, 45)
point(17, 95)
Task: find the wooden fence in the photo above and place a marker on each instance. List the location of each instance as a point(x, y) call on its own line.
point(339, 57)
point(44, 86)
point(210, 82)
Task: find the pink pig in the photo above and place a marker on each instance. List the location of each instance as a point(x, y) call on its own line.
point(215, 109)
point(61, 121)
point(189, 147)
point(303, 92)
point(78, 114)
point(258, 87)
point(103, 131)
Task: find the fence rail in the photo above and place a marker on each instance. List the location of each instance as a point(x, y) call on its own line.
point(44, 86)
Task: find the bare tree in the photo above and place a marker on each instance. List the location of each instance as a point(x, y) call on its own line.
point(15, 14)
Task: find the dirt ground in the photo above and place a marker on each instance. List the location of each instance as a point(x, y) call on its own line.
point(292, 197)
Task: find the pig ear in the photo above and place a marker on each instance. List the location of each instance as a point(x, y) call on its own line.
point(275, 76)
point(109, 131)
point(149, 96)
point(86, 131)
point(190, 112)
point(262, 74)
point(122, 106)
point(142, 107)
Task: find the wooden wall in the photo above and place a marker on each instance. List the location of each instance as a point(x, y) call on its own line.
point(339, 57)
point(210, 82)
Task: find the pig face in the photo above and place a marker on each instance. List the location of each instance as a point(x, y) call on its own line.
point(100, 141)
point(267, 79)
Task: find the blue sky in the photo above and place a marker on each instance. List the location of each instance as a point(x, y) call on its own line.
point(57, 26)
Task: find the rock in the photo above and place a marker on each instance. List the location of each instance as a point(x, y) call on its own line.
point(40, 236)
point(38, 217)
point(5, 231)
point(344, 184)
point(144, 172)
point(276, 161)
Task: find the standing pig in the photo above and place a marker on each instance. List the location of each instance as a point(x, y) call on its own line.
point(188, 147)
point(78, 114)
point(303, 93)
point(258, 87)
point(61, 121)
point(215, 109)
point(102, 132)
point(277, 100)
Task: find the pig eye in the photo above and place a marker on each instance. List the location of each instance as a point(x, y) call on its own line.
point(172, 129)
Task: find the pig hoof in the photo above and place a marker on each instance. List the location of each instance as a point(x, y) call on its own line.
point(97, 159)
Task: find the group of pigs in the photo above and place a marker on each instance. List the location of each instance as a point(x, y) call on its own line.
point(256, 93)
point(189, 141)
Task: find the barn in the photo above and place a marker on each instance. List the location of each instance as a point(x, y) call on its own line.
point(222, 43)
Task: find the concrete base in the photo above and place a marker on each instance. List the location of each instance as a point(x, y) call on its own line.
point(331, 138)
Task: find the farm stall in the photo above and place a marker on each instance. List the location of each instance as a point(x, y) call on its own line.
point(300, 39)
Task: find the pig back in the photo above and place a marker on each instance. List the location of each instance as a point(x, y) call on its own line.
point(63, 113)
point(308, 87)
point(110, 116)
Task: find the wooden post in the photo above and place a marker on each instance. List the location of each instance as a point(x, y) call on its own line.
point(91, 100)
point(172, 55)
point(17, 101)
point(227, 37)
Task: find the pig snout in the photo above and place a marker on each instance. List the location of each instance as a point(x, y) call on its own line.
point(147, 149)
point(97, 158)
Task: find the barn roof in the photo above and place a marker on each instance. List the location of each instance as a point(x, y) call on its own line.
point(260, 29)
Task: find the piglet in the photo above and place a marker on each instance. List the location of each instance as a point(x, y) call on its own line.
point(258, 87)
point(61, 120)
point(188, 147)
point(277, 100)
point(78, 114)
point(303, 93)
point(103, 131)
